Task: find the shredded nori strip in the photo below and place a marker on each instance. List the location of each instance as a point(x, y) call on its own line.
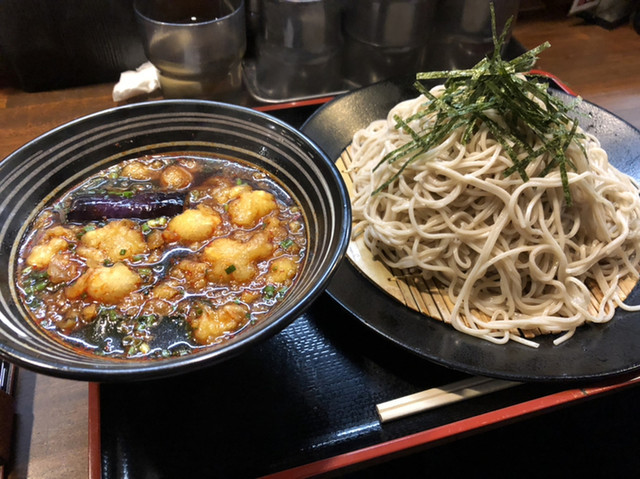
point(502, 86)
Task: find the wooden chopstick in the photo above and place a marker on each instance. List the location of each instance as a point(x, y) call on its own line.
point(436, 397)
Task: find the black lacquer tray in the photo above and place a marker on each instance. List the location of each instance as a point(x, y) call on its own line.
point(305, 396)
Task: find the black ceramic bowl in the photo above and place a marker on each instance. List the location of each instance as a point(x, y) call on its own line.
point(40, 171)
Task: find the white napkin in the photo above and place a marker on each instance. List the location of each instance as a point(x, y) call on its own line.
point(132, 83)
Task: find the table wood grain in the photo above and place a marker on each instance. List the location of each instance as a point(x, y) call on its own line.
point(52, 417)
point(600, 65)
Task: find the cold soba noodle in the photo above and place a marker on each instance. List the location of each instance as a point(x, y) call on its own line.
point(518, 254)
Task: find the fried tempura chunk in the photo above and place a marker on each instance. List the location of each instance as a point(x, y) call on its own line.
point(175, 177)
point(42, 254)
point(282, 270)
point(235, 261)
point(211, 323)
point(196, 224)
point(250, 207)
point(111, 284)
point(117, 240)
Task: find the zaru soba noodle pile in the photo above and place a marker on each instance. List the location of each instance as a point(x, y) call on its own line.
point(486, 185)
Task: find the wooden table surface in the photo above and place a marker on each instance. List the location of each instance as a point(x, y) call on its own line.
point(52, 418)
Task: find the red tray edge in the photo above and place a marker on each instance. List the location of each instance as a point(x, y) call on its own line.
point(95, 450)
point(434, 436)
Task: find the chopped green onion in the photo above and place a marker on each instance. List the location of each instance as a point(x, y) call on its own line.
point(124, 194)
point(40, 274)
point(269, 291)
point(123, 252)
point(85, 230)
point(286, 244)
point(193, 196)
point(157, 222)
point(230, 269)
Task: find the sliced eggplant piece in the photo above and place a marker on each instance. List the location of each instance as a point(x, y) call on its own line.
point(140, 206)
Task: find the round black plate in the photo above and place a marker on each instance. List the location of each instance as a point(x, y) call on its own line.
point(594, 352)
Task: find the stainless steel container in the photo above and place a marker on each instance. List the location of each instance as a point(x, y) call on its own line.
point(385, 38)
point(463, 35)
point(299, 48)
point(311, 47)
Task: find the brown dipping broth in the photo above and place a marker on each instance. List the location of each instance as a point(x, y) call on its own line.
point(144, 324)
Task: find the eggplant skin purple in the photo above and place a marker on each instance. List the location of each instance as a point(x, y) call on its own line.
point(140, 206)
